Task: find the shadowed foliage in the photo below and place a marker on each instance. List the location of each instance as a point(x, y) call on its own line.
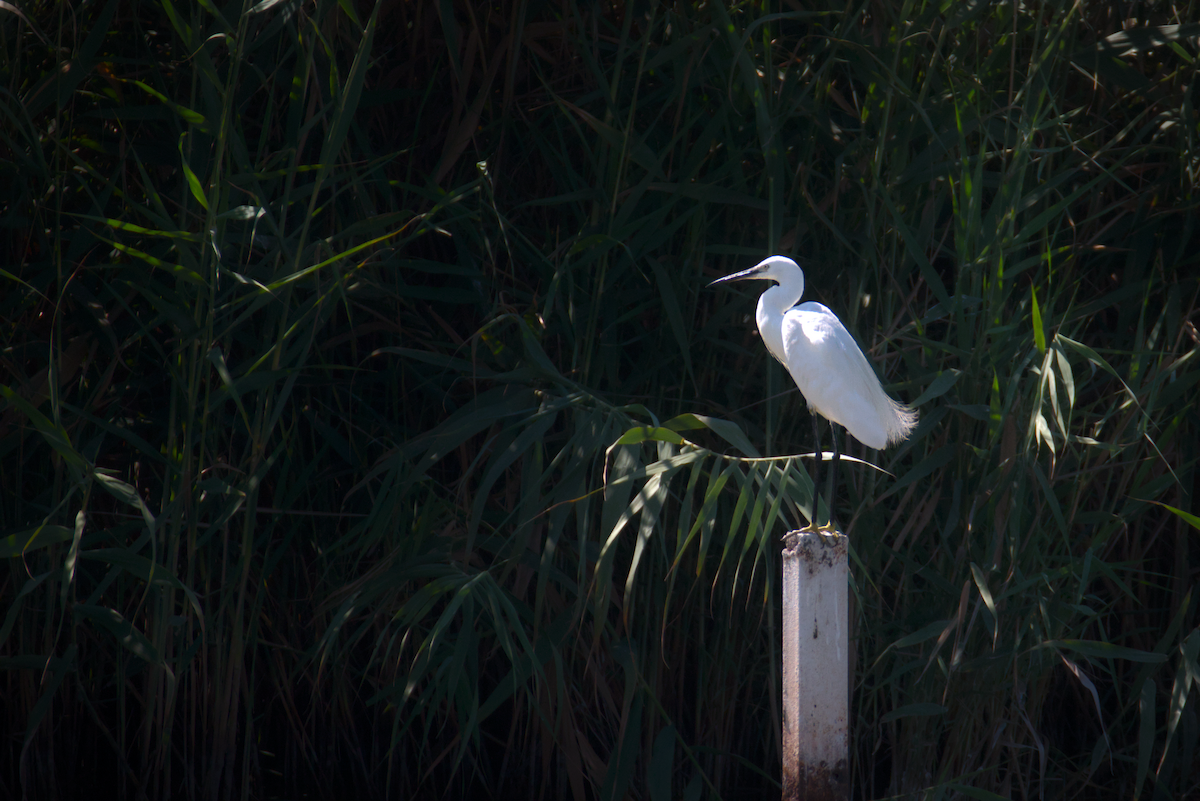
point(367, 428)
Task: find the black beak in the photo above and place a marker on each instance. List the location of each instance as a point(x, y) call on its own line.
point(740, 276)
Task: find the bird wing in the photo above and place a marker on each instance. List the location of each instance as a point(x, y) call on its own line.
point(836, 379)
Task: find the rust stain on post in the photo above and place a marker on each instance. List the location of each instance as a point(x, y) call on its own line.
point(816, 682)
point(817, 783)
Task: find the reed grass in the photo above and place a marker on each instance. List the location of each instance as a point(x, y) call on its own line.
point(367, 428)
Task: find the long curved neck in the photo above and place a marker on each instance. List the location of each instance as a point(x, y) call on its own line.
point(772, 305)
point(786, 293)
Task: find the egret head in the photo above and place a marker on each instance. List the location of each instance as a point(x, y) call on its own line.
point(780, 269)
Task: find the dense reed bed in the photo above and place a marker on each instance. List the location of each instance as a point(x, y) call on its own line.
point(367, 430)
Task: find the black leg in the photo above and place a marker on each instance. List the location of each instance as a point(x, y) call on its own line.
point(832, 472)
point(816, 493)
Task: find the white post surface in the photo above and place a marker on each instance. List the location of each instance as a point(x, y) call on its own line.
point(816, 652)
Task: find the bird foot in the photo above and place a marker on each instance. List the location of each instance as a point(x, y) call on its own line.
point(827, 532)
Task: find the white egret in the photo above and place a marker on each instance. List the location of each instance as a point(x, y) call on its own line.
point(826, 363)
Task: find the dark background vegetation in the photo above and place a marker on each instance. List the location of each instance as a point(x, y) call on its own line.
point(367, 429)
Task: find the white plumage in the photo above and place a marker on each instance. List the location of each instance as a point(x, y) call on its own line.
point(823, 359)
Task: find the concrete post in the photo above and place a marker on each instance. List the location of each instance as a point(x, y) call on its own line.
point(816, 681)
